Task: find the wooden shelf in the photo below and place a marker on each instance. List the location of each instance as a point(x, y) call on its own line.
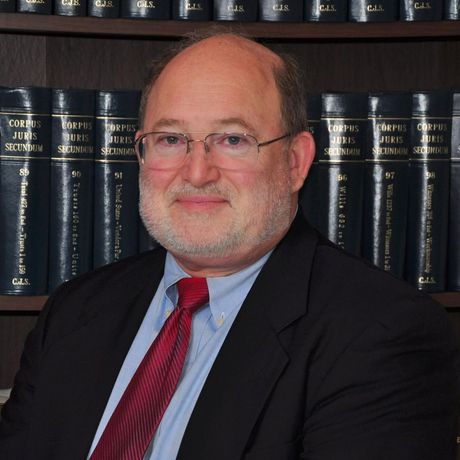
point(91, 26)
point(450, 300)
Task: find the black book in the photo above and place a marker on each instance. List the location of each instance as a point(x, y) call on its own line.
point(429, 190)
point(452, 10)
point(200, 10)
point(116, 169)
point(146, 242)
point(453, 279)
point(24, 189)
point(72, 177)
point(428, 10)
point(309, 196)
point(7, 6)
point(373, 10)
point(342, 142)
point(34, 6)
point(326, 10)
point(70, 7)
point(386, 180)
point(104, 8)
point(281, 10)
point(146, 9)
point(235, 10)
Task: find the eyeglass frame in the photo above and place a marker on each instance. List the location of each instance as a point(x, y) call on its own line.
point(206, 147)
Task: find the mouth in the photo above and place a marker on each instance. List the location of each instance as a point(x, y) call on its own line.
point(201, 202)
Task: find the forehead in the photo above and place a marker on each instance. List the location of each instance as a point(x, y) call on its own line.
point(222, 78)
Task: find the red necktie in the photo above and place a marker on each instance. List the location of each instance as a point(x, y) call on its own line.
point(136, 418)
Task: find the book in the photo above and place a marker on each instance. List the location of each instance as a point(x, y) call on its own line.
point(199, 10)
point(146, 9)
point(116, 169)
point(104, 8)
point(326, 10)
point(146, 242)
point(24, 189)
point(309, 197)
point(70, 7)
point(7, 6)
point(342, 142)
point(235, 10)
point(373, 10)
point(428, 10)
point(453, 280)
point(72, 178)
point(34, 6)
point(386, 180)
point(281, 10)
point(429, 163)
point(452, 10)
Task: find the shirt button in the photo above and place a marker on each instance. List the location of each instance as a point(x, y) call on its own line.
point(221, 319)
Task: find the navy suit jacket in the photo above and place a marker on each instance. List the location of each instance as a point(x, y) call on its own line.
point(328, 359)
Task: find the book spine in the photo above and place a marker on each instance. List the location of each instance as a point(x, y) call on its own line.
point(386, 180)
point(309, 197)
point(146, 242)
point(115, 177)
point(24, 189)
point(452, 10)
point(70, 7)
point(373, 10)
point(429, 190)
point(428, 10)
point(104, 8)
point(147, 9)
point(72, 177)
point(281, 10)
point(235, 10)
point(453, 282)
point(199, 10)
point(34, 6)
point(326, 10)
point(7, 6)
point(341, 160)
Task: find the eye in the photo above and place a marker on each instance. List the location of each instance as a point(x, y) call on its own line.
point(233, 141)
point(169, 140)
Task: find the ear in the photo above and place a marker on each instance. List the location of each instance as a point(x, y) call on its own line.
point(301, 155)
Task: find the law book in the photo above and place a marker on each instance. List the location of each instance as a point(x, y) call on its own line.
point(200, 10)
point(427, 10)
point(25, 134)
point(373, 10)
point(309, 197)
point(70, 7)
point(7, 6)
point(386, 180)
point(104, 8)
point(235, 10)
point(146, 9)
point(116, 188)
point(326, 10)
point(146, 242)
point(72, 178)
point(342, 142)
point(452, 10)
point(281, 10)
point(34, 6)
point(453, 279)
point(429, 165)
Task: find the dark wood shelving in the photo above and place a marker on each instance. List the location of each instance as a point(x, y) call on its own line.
point(450, 300)
point(91, 26)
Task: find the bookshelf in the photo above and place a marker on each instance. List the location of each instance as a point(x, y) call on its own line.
point(87, 52)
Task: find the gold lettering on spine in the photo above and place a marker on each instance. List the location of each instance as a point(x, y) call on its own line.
point(422, 5)
point(235, 8)
point(118, 211)
point(193, 7)
point(281, 7)
point(119, 139)
point(76, 191)
point(342, 202)
point(428, 267)
point(25, 136)
point(389, 192)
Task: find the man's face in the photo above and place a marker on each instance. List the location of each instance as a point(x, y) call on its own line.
point(210, 217)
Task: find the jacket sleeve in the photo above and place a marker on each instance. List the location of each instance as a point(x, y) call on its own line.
point(392, 393)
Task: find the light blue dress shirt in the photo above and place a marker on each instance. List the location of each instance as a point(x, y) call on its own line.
point(209, 328)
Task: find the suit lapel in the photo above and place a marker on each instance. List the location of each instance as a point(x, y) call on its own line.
point(252, 357)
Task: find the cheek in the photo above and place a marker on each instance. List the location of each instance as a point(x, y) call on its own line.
point(157, 180)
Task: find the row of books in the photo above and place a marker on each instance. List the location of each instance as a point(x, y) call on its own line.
point(246, 10)
point(385, 183)
point(386, 171)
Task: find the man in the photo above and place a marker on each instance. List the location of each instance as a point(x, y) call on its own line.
point(302, 351)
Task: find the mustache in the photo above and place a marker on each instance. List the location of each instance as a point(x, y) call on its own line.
point(182, 190)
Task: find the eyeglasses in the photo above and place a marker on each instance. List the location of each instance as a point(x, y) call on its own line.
point(164, 150)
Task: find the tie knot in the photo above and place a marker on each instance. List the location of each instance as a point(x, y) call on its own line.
point(193, 293)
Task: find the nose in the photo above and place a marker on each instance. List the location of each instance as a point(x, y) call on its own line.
point(198, 168)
